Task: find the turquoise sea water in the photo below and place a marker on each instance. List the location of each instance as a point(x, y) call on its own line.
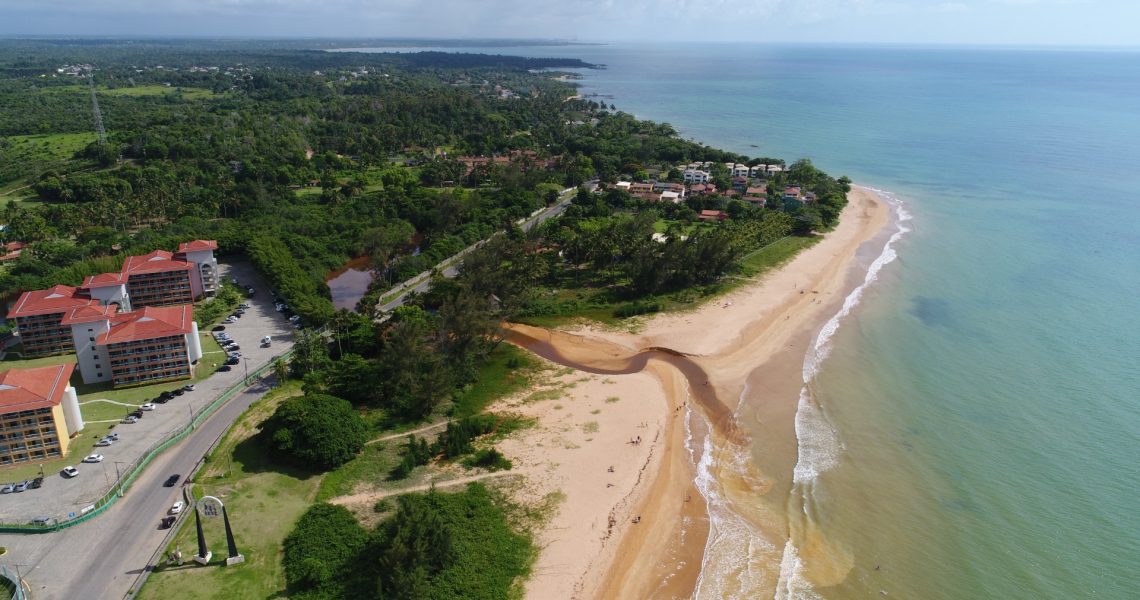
point(985, 396)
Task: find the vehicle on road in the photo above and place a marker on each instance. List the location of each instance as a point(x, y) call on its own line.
point(233, 360)
point(8, 488)
point(93, 458)
point(266, 341)
point(70, 471)
point(23, 486)
point(177, 507)
point(167, 522)
point(232, 348)
point(229, 321)
point(167, 395)
point(295, 318)
point(172, 480)
point(114, 437)
point(224, 368)
point(137, 414)
point(103, 443)
point(244, 305)
point(43, 521)
point(178, 392)
point(37, 483)
point(250, 291)
point(219, 328)
point(130, 419)
point(147, 406)
point(189, 387)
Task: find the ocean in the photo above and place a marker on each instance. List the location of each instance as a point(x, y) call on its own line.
point(975, 426)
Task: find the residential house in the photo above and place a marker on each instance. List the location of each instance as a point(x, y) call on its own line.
point(696, 176)
point(713, 216)
point(740, 184)
point(756, 196)
point(38, 315)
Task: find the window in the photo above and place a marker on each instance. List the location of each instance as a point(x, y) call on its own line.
point(98, 374)
point(91, 339)
point(98, 366)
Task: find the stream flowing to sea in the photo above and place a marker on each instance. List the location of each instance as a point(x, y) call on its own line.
point(974, 429)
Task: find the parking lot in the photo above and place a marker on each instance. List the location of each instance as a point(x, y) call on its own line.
point(60, 495)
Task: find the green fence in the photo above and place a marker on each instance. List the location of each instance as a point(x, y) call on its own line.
point(134, 469)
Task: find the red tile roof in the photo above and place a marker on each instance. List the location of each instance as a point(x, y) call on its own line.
point(198, 246)
point(31, 389)
point(104, 280)
point(148, 323)
point(60, 298)
point(88, 314)
point(158, 261)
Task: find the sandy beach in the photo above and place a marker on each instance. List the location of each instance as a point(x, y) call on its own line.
point(640, 530)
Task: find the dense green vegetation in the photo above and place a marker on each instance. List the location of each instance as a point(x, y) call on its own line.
point(434, 546)
point(316, 431)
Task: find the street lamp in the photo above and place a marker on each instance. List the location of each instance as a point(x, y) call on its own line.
point(119, 478)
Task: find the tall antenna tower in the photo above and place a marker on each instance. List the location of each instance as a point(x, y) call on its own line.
point(99, 131)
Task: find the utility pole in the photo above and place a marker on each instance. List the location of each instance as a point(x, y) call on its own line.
point(119, 478)
point(100, 133)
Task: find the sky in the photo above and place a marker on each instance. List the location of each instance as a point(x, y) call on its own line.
point(966, 22)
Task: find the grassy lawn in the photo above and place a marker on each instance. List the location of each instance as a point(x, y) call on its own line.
point(161, 90)
point(263, 501)
point(775, 254)
point(49, 146)
point(661, 225)
point(508, 371)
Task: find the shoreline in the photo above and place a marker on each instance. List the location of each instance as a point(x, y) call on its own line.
point(768, 323)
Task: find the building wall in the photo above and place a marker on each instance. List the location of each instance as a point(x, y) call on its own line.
point(72, 416)
point(43, 335)
point(31, 435)
point(93, 360)
point(148, 361)
point(167, 288)
point(113, 294)
point(207, 270)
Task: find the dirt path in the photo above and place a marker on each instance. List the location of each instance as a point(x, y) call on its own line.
point(373, 496)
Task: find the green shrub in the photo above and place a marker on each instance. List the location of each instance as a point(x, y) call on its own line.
point(315, 431)
point(488, 458)
point(325, 540)
point(416, 453)
point(641, 307)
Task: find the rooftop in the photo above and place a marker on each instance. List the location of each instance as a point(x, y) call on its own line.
point(158, 261)
point(148, 323)
point(198, 246)
point(88, 314)
point(32, 389)
point(57, 299)
point(104, 280)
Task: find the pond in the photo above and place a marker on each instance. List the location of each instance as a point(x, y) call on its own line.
point(350, 282)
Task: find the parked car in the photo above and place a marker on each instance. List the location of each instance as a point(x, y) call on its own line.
point(229, 320)
point(114, 437)
point(234, 354)
point(130, 419)
point(178, 392)
point(8, 488)
point(244, 305)
point(167, 522)
point(224, 368)
point(103, 443)
point(234, 280)
point(189, 387)
point(161, 400)
point(167, 395)
point(23, 486)
point(70, 471)
point(93, 458)
point(219, 328)
point(37, 483)
point(147, 406)
point(137, 414)
point(171, 481)
point(232, 347)
point(177, 507)
point(233, 360)
point(250, 291)
point(295, 318)
point(43, 521)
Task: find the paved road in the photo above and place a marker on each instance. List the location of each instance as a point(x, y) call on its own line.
point(450, 267)
point(103, 558)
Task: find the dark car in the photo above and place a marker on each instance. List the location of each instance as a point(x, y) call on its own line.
point(37, 483)
point(167, 522)
point(178, 392)
point(232, 347)
point(167, 395)
point(219, 328)
point(161, 400)
point(224, 368)
point(170, 481)
point(138, 414)
point(233, 360)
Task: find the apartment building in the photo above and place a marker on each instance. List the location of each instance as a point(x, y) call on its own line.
point(149, 345)
point(39, 412)
point(38, 315)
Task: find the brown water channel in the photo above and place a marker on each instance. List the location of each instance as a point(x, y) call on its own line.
point(350, 282)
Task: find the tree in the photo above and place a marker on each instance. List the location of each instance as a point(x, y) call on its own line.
point(323, 543)
point(417, 545)
point(315, 431)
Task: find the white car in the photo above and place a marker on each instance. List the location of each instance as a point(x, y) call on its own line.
point(177, 508)
point(70, 471)
point(105, 442)
point(93, 458)
point(147, 406)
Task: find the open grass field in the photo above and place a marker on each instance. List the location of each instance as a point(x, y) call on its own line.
point(263, 501)
point(137, 91)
